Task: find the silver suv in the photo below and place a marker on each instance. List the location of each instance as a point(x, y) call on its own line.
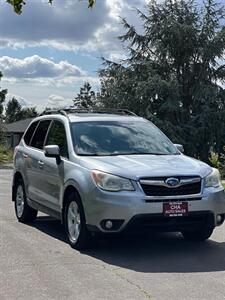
point(110, 172)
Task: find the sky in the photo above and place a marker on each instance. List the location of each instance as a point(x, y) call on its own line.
point(48, 52)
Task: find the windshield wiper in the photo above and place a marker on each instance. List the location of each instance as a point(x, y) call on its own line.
point(98, 154)
point(147, 153)
point(128, 153)
point(88, 154)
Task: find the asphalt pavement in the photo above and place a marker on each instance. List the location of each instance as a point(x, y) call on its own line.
point(37, 263)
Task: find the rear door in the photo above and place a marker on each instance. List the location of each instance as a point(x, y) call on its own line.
point(35, 163)
point(22, 156)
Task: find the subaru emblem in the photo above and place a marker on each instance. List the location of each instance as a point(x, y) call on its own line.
point(172, 182)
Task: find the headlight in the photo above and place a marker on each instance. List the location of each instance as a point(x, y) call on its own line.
point(111, 183)
point(213, 179)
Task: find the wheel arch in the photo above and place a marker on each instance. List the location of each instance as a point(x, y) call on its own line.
point(68, 190)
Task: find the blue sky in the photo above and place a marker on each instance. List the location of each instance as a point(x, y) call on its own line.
point(48, 52)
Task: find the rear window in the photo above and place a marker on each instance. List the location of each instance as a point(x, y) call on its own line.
point(40, 133)
point(30, 131)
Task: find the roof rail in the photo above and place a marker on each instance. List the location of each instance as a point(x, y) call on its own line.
point(66, 111)
point(53, 112)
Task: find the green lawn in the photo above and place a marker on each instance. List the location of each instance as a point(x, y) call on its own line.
point(6, 155)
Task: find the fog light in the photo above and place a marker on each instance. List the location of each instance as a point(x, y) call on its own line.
point(219, 219)
point(108, 224)
point(111, 225)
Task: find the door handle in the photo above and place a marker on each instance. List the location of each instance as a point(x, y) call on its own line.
point(41, 164)
point(25, 155)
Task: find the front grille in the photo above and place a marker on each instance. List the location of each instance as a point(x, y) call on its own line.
point(155, 189)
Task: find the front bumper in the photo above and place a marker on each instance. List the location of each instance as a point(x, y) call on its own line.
point(135, 211)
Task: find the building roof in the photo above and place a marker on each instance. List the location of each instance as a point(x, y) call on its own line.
point(18, 127)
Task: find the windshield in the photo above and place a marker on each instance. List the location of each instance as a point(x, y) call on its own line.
point(103, 138)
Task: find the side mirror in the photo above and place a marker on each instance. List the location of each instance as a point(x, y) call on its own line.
point(52, 151)
point(179, 147)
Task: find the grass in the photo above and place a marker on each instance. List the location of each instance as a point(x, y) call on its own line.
point(6, 155)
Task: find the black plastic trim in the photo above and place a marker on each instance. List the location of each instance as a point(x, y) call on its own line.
point(51, 212)
point(160, 223)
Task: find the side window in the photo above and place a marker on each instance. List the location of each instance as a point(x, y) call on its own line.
point(57, 136)
point(40, 133)
point(29, 133)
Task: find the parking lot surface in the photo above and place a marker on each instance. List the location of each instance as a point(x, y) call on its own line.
point(37, 263)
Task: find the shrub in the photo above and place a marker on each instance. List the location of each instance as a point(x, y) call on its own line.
point(218, 161)
point(6, 155)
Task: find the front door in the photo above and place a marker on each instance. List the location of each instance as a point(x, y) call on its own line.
point(53, 173)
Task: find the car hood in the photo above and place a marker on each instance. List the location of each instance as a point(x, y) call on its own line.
point(137, 166)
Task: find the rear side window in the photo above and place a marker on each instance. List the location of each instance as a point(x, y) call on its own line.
point(40, 133)
point(57, 136)
point(28, 135)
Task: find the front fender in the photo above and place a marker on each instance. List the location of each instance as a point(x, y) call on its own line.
point(80, 178)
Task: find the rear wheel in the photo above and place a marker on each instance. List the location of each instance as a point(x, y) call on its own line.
point(75, 223)
point(198, 235)
point(24, 212)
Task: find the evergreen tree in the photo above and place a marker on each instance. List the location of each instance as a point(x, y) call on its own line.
point(29, 112)
point(86, 98)
point(13, 111)
point(174, 74)
point(2, 99)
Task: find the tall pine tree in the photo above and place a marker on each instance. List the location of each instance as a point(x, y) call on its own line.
point(2, 99)
point(86, 98)
point(14, 111)
point(174, 74)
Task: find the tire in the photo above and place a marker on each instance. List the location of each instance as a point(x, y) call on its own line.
point(75, 223)
point(198, 235)
point(24, 213)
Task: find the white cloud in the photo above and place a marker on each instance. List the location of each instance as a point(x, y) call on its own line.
point(37, 67)
point(118, 8)
point(117, 56)
point(55, 98)
point(5, 44)
point(66, 25)
point(64, 21)
point(22, 101)
point(61, 82)
point(68, 81)
point(53, 101)
point(58, 101)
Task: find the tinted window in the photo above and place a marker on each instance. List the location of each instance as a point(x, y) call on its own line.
point(29, 133)
point(120, 138)
point(39, 136)
point(57, 136)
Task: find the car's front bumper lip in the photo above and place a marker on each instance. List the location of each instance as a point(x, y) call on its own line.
point(160, 223)
point(130, 205)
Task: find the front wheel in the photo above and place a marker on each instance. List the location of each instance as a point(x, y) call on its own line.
point(24, 213)
point(198, 235)
point(75, 223)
